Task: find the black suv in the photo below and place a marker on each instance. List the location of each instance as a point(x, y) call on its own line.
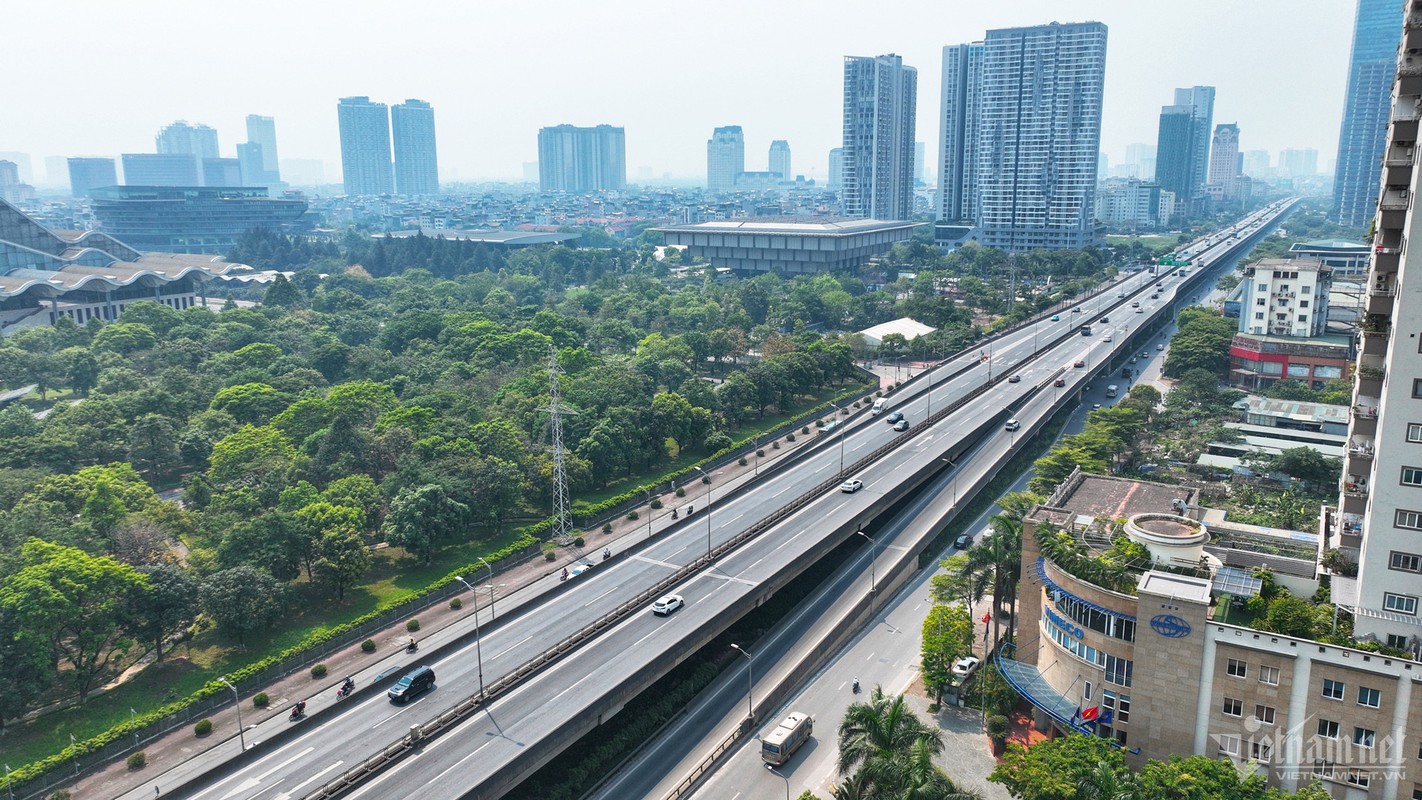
point(418, 680)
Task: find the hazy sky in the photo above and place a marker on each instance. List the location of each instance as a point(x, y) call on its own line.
point(101, 77)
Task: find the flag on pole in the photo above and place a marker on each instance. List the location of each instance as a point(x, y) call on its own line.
point(1090, 714)
point(986, 618)
point(1075, 715)
point(1106, 717)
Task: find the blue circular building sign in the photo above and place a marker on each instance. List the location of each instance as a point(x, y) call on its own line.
point(1170, 626)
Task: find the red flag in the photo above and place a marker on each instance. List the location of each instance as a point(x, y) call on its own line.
point(987, 618)
point(1091, 713)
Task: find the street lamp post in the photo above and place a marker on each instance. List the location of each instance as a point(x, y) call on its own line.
point(955, 478)
point(707, 478)
point(491, 587)
point(841, 442)
point(237, 700)
point(777, 773)
point(478, 647)
point(873, 580)
point(650, 511)
point(750, 680)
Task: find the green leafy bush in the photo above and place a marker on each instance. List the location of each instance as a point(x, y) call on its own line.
point(203, 727)
point(412, 625)
point(368, 646)
point(137, 760)
point(318, 671)
point(456, 603)
point(260, 700)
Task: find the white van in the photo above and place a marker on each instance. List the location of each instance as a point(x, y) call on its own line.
point(879, 405)
point(1012, 425)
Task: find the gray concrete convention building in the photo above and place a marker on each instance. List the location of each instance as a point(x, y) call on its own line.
point(789, 246)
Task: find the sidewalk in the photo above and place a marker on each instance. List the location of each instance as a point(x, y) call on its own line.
point(513, 588)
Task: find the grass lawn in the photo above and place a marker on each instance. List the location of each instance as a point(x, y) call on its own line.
point(191, 665)
point(1162, 242)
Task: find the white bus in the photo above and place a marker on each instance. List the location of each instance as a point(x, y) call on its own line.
point(780, 744)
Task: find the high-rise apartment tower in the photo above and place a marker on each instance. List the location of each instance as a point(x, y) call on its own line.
point(880, 96)
point(1371, 69)
point(725, 157)
point(416, 166)
point(365, 146)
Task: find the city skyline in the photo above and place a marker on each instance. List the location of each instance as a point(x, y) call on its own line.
point(1215, 44)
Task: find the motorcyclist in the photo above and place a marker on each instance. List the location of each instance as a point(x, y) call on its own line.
point(348, 686)
point(856, 685)
point(565, 573)
point(606, 553)
point(413, 645)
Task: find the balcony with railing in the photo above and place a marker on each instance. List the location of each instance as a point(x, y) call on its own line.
point(1355, 486)
point(1394, 200)
point(1400, 154)
point(1361, 446)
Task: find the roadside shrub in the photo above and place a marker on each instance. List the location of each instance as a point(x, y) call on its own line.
point(776, 445)
point(760, 452)
point(705, 478)
point(633, 514)
point(549, 555)
point(456, 603)
point(137, 760)
point(318, 671)
point(260, 700)
point(607, 527)
point(805, 429)
point(819, 423)
point(790, 437)
point(578, 542)
point(680, 492)
point(368, 646)
point(997, 727)
point(741, 461)
point(412, 626)
point(656, 502)
point(203, 727)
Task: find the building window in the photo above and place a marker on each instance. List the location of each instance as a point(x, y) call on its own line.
point(1405, 562)
point(1414, 432)
point(1412, 520)
point(1263, 287)
point(1306, 290)
point(1417, 387)
point(1269, 675)
point(1259, 302)
point(1364, 737)
point(1232, 707)
point(1085, 691)
point(1236, 668)
point(1401, 603)
point(1260, 752)
point(1229, 745)
point(1323, 769)
point(1328, 729)
point(1398, 642)
point(1303, 304)
point(1259, 315)
point(1332, 689)
point(1369, 697)
point(1412, 476)
point(1358, 777)
point(1303, 318)
point(1265, 714)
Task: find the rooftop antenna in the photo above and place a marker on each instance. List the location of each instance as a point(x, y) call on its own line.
point(562, 521)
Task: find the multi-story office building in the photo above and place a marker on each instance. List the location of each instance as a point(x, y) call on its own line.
point(880, 97)
point(161, 169)
point(789, 246)
point(222, 172)
point(365, 146)
point(250, 164)
point(86, 174)
point(1128, 203)
point(1371, 69)
point(1182, 147)
point(1039, 135)
point(1298, 163)
point(416, 165)
point(958, 142)
point(261, 131)
point(725, 157)
point(573, 159)
point(1285, 297)
point(1225, 161)
point(780, 159)
point(1380, 504)
point(193, 140)
point(836, 168)
point(1151, 650)
point(190, 219)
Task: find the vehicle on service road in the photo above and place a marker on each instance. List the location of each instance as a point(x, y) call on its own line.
point(1012, 425)
point(851, 486)
point(1015, 379)
point(780, 744)
point(878, 406)
point(1059, 382)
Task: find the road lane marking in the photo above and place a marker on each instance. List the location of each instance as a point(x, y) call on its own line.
point(302, 754)
point(599, 597)
point(782, 491)
point(510, 647)
point(666, 564)
point(286, 795)
point(460, 761)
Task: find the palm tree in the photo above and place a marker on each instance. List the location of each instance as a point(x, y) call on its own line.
point(882, 727)
point(995, 564)
point(1106, 783)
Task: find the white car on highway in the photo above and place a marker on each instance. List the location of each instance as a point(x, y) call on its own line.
point(851, 486)
point(666, 604)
